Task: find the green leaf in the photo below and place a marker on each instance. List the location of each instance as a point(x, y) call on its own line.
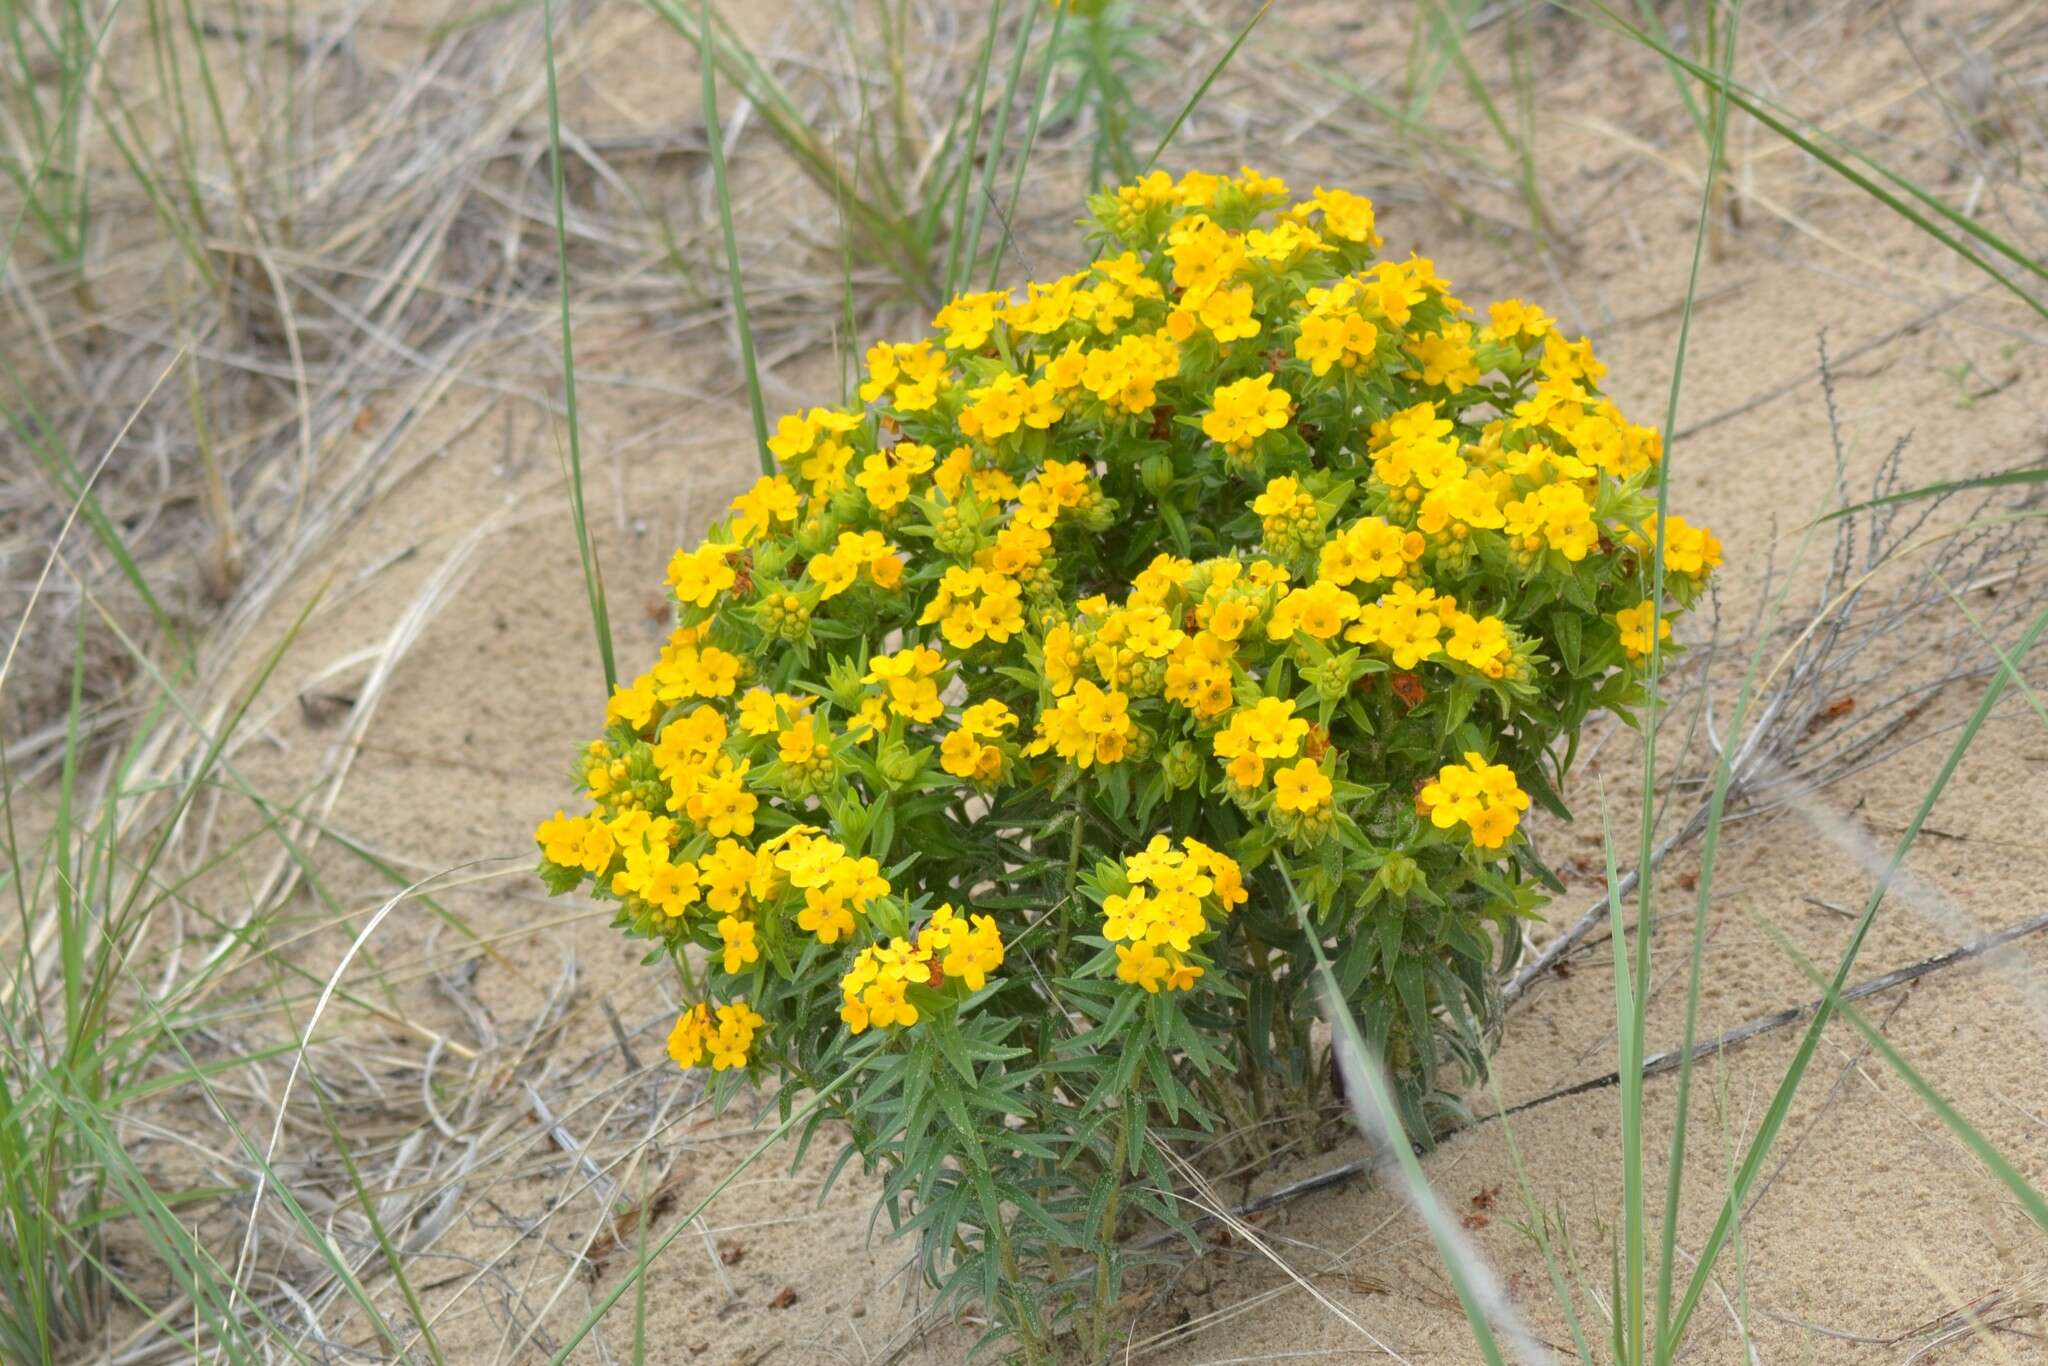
point(1390, 922)
point(1566, 627)
point(1536, 783)
point(947, 1036)
point(558, 879)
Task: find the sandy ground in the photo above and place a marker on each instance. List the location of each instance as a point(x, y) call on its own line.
point(1875, 1223)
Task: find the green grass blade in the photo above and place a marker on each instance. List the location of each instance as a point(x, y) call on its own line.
point(1483, 1303)
point(2005, 663)
point(313, 1236)
point(715, 139)
point(1943, 488)
point(956, 269)
point(1446, 31)
point(1654, 23)
point(1781, 1102)
point(2022, 1191)
point(1166, 139)
point(1052, 47)
point(1645, 862)
point(367, 1203)
point(593, 577)
point(1628, 1015)
point(119, 921)
point(1539, 1231)
point(1760, 109)
point(997, 138)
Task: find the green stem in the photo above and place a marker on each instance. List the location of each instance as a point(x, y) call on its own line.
point(1073, 880)
point(1260, 959)
point(1023, 1310)
point(1106, 1242)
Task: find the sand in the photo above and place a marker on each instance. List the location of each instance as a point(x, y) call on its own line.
point(1875, 1224)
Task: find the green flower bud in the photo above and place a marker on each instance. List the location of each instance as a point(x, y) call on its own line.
point(1398, 875)
point(1332, 678)
point(1141, 744)
point(1148, 678)
point(953, 534)
point(786, 615)
point(1158, 474)
point(814, 535)
point(1182, 765)
point(889, 917)
point(898, 765)
point(843, 681)
point(770, 560)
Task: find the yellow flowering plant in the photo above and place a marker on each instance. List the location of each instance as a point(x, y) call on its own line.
point(1130, 639)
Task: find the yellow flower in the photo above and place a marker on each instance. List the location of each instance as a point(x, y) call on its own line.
point(1481, 642)
point(756, 512)
point(1243, 411)
point(1563, 360)
point(963, 753)
point(794, 435)
point(562, 840)
point(874, 990)
point(973, 605)
point(1515, 321)
point(728, 873)
point(699, 576)
point(1009, 402)
point(1087, 726)
point(1335, 337)
point(739, 946)
point(721, 804)
point(1634, 623)
point(908, 677)
point(672, 888)
point(687, 1039)
point(971, 948)
point(800, 746)
point(968, 319)
point(1687, 549)
point(1405, 622)
point(1460, 507)
point(1154, 926)
point(1320, 610)
point(1268, 728)
point(728, 1041)
point(1142, 964)
point(1301, 787)
point(1445, 357)
point(1556, 515)
point(759, 712)
point(1346, 216)
point(1368, 550)
point(1224, 313)
point(1484, 797)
